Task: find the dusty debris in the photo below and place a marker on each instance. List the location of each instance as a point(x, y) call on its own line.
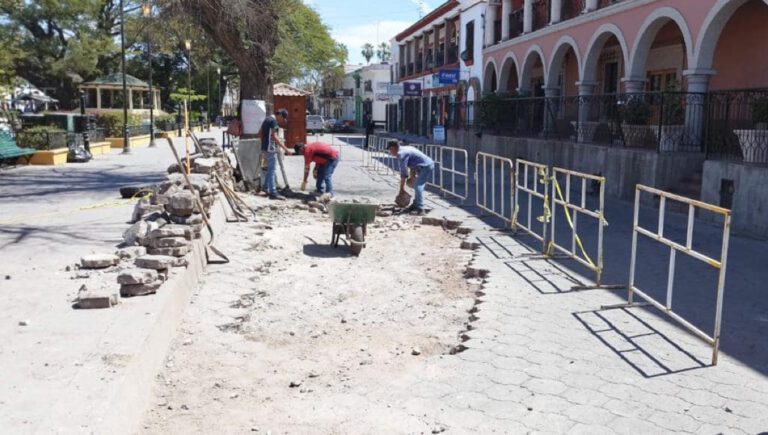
point(470, 245)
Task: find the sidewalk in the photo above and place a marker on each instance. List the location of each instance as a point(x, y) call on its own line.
point(61, 366)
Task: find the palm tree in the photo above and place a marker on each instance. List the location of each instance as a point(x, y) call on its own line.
point(367, 52)
point(382, 52)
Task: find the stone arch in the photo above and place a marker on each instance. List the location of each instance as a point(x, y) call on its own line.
point(476, 87)
point(509, 76)
point(710, 31)
point(653, 23)
point(533, 53)
point(595, 47)
point(558, 55)
point(490, 77)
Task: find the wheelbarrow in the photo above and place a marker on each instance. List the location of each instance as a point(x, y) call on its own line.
point(351, 221)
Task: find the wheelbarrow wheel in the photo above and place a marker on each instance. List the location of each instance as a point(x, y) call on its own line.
point(358, 239)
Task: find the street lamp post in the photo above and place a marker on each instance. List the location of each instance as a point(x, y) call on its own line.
point(146, 9)
point(84, 120)
point(218, 95)
point(126, 144)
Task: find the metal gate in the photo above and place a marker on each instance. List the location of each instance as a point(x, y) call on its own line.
point(454, 164)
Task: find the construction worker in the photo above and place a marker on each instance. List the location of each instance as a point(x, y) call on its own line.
point(410, 157)
point(326, 158)
point(270, 140)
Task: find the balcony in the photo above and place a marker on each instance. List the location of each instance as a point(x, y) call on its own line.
point(515, 23)
point(540, 14)
point(440, 58)
point(572, 8)
point(419, 65)
point(430, 61)
point(410, 69)
point(402, 71)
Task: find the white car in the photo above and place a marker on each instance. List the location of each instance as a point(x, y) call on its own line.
point(315, 124)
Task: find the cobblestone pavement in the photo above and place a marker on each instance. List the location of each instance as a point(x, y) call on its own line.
point(537, 356)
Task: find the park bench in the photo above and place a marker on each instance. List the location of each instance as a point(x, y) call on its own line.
point(9, 150)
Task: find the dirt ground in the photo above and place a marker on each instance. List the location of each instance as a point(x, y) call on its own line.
point(289, 335)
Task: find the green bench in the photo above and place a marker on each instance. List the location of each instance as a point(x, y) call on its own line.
point(9, 150)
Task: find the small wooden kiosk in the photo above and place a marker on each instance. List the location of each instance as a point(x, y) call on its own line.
point(294, 100)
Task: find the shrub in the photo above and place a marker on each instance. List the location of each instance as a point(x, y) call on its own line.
point(760, 111)
point(636, 112)
point(112, 122)
point(165, 122)
point(42, 137)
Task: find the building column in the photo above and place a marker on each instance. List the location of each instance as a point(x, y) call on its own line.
point(506, 10)
point(130, 99)
point(98, 98)
point(590, 6)
point(555, 11)
point(586, 91)
point(528, 16)
point(634, 85)
point(490, 19)
point(695, 110)
point(551, 108)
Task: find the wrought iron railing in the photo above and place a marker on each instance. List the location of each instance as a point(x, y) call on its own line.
point(737, 125)
point(402, 71)
point(540, 14)
point(572, 9)
point(516, 23)
point(410, 69)
point(453, 54)
point(419, 65)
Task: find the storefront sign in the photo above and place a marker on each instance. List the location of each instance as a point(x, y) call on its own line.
point(412, 89)
point(438, 133)
point(395, 90)
point(448, 77)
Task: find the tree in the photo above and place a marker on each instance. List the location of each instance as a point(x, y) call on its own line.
point(383, 52)
point(367, 52)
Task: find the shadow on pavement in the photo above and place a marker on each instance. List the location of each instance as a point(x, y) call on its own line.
point(327, 251)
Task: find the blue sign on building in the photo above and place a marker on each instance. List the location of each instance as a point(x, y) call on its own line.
point(449, 77)
point(412, 89)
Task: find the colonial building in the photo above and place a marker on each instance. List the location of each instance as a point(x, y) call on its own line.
point(365, 91)
point(438, 60)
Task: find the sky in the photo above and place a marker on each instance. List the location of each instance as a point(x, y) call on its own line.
point(355, 22)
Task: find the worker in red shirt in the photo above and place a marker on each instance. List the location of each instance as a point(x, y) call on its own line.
point(326, 158)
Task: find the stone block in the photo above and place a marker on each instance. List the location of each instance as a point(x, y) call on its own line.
point(205, 166)
point(130, 290)
point(172, 231)
point(168, 242)
point(156, 262)
point(195, 219)
point(137, 276)
point(90, 300)
point(181, 204)
point(463, 230)
point(174, 252)
point(99, 261)
point(470, 245)
point(131, 252)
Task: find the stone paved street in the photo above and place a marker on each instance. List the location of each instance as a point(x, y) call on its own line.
point(533, 356)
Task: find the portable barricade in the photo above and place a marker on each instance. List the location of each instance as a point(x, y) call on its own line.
point(490, 171)
point(433, 152)
point(531, 180)
point(675, 248)
point(454, 172)
point(573, 207)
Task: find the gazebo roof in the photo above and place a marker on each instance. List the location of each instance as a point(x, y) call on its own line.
point(116, 79)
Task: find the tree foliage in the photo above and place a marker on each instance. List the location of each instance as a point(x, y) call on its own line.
point(367, 52)
point(383, 52)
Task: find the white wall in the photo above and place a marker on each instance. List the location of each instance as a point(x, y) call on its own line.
point(472, 10)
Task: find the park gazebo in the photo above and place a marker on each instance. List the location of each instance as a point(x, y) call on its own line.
point(106, 93)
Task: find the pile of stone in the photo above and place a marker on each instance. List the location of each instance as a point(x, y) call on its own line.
point(164, 227)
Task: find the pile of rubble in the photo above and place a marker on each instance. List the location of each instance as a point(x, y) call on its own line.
point(165, 222)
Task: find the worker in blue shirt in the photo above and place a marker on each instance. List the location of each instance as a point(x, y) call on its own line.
point(410, 157)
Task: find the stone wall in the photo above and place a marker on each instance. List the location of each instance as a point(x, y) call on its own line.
point(622, 167)
point(749, 200)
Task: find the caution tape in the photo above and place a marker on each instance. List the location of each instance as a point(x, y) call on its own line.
point(550, 245)
point(135, 198)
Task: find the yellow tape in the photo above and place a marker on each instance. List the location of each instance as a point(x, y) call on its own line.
point(570, 223)
point(134, 198)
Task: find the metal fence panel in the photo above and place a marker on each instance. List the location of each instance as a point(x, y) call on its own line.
point(572, 208)
point(687, 249)
point(531, 181)
point(492, 171)
point(454, 172)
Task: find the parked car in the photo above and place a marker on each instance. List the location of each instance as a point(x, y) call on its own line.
point(315, 124)
point(341, 127)
point(329, 123)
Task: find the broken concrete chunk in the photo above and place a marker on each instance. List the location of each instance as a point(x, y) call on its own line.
point(90, 300)
point(131, 252)
point(135, 233)
point(181, 204)
point(201, 183)
point(175, 252)
point(137, 276)
point(473, 272)
point(99, 261)
point(168, 242)
point(131, 290)
point(463, 230)
point(205, 166)
point(156, 262)
point(195, 219)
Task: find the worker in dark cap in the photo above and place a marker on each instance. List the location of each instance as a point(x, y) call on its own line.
point(270, 141)
point(326, 158)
